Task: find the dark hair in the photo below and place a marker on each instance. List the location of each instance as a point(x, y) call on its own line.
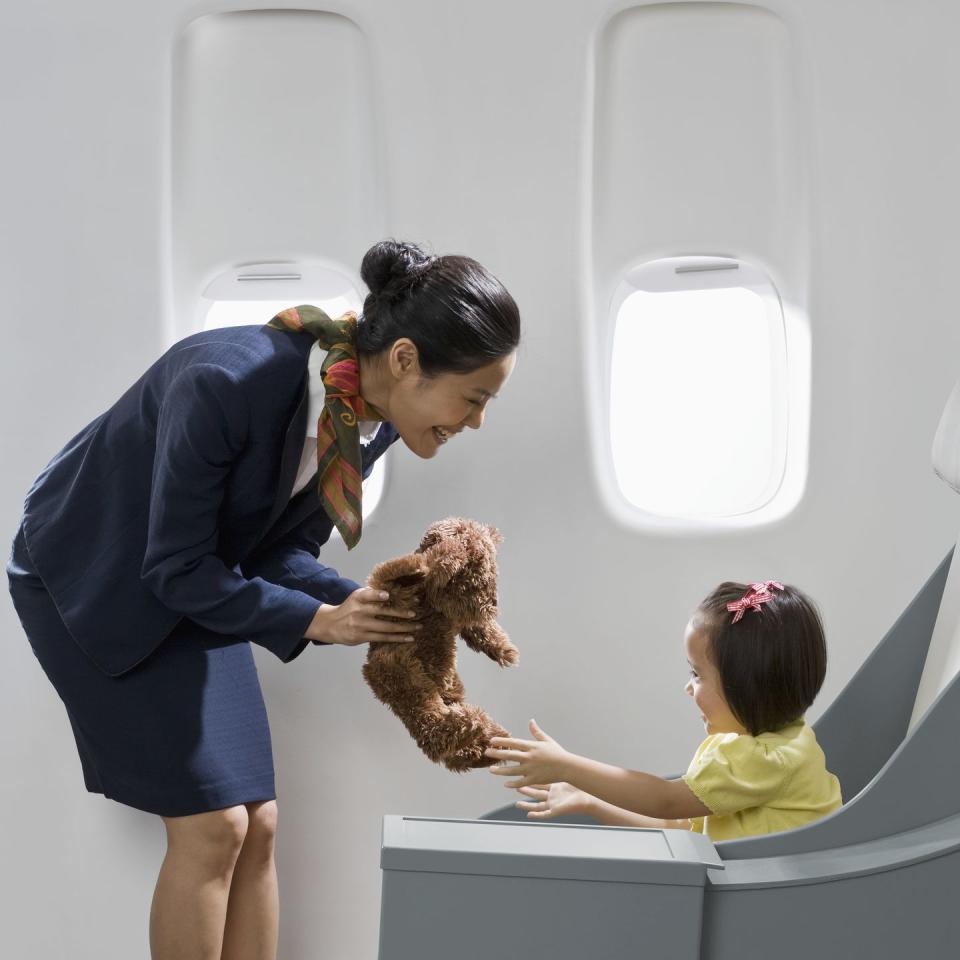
point(772, 662)
point(458, 314)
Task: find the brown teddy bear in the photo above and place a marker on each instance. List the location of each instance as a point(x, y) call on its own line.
point(451, 583)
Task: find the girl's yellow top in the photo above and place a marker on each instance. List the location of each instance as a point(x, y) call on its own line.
point(754, 785)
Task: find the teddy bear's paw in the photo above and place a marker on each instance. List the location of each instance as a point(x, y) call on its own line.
point(508, 655)
point(458, 739)
point(469, 758)
point(473, 756)
point(443, 730)
point(437, 745)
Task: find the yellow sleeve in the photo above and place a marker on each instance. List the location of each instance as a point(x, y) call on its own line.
point(736, 773)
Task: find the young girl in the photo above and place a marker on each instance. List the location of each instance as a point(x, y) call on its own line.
point(757, 660)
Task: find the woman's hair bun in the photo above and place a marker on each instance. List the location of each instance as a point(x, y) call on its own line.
point(457, 314)
point(391, 267)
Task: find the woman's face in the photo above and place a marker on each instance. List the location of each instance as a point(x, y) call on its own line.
point(429, 412)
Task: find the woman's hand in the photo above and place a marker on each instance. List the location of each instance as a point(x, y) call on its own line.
point(537, 762)
point(359, 619)
point(555, 800)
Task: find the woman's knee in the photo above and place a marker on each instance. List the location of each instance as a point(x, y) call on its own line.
point(216, 836)
point(262, 829)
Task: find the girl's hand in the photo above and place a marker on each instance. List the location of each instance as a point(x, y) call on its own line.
point(537, 762)
point(555, 800)
point(359, 620)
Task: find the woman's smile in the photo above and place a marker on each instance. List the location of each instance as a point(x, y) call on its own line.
point(413, 402)
point(443, 434)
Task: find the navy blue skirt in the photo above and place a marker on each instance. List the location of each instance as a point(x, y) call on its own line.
point(183, 732)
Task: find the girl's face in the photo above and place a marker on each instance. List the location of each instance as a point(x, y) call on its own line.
point(430, 412)
point(704, 683)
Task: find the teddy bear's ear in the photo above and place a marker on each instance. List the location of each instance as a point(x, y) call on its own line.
point(409, 579)
point(401, 572)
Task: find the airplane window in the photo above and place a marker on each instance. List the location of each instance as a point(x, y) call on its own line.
point(698, 389)
point(225, 313)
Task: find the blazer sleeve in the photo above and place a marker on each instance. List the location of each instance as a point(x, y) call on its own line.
point(201, 427)
point(292, 561)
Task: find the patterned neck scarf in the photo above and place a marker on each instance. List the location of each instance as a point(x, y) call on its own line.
point(339, 468)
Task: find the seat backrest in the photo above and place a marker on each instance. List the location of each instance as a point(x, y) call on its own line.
point(884, 689)
point(943, 657)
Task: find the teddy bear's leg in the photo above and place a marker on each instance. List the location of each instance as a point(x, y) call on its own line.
point(489, 638)
point(478, 728)
point(454, 734)
point(399, 681)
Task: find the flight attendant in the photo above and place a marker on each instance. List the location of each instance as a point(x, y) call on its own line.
point(186, 521)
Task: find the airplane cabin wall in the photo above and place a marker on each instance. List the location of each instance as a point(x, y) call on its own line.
point(481, 138)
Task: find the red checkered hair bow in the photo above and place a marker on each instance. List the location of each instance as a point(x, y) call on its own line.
point(757, 595)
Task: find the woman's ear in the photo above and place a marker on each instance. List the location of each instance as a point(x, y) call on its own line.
point(403, 359)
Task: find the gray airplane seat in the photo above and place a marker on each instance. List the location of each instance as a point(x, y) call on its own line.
point(875, 878)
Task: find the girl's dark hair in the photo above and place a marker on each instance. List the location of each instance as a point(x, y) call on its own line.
point(772, 662)
point(458, 314)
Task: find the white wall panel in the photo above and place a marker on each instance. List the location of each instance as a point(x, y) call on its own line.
point(275, 152)
point(696, 141)
point(483, 120)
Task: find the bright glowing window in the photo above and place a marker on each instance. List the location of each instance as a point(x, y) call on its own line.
point(698, 389)
point(255, 293)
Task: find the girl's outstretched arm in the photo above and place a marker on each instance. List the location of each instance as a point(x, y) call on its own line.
point(633, 790)
point(611, 816)
point(563, 799)
point(544, 761)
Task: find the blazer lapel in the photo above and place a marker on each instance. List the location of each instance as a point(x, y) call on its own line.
point(307, 501)
point(299, 508)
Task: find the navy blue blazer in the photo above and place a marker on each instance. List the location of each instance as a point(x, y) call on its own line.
point(175, 503)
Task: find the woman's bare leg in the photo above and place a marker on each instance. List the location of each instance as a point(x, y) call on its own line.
point(253, 910)
point(190, 902)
